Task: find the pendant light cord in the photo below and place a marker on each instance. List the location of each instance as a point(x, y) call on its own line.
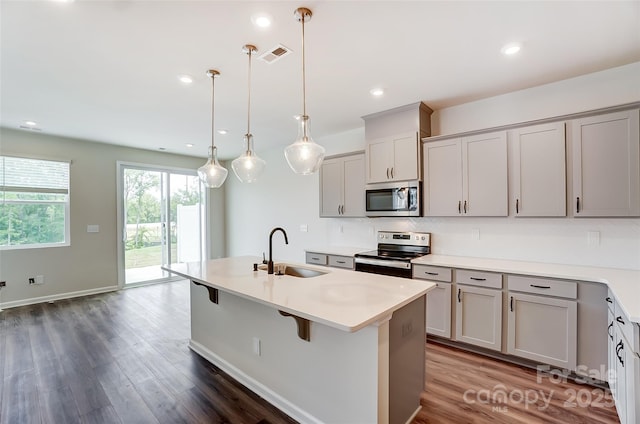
point(304, 90)
point(213, 96)
point(249, 52)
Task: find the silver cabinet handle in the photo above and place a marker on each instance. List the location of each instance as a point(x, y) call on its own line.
point(477, 279)
point(465, 206)
point(620, 320)
point(517, 205)
point(431, 273)
point(539, 287)
point(387, 173)
point(511, 304)
point(577, 205)
point(459, 294)
point(341, 262)
point(392, 177)
point(610, 330)
point(338, 209)
point(608, 299)
point(459, 206)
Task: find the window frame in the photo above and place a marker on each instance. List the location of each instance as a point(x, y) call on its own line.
point(38, 190)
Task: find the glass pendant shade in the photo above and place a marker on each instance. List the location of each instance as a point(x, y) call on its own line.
point(212, 174)
point(249, 166)
point(304, 155)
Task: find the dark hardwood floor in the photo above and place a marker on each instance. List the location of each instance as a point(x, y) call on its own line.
point(122, 357)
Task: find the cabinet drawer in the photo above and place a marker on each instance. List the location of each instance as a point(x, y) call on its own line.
point(566, 289)
point(341, 261)
point(316, 258)
point(479, 278)
point(630, 330)
point(434, 273)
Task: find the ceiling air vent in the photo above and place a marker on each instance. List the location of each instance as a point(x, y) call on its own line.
point(274, 54)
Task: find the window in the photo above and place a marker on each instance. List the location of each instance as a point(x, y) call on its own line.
point(34, 199)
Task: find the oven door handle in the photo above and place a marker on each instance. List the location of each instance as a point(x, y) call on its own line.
point(384, 263)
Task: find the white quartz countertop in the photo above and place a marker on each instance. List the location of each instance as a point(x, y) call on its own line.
point(342, 299)
point(623, 283)
point(339, 250)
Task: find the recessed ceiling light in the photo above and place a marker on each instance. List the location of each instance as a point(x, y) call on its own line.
point(223, 132)
point(511, 49)
point(377, 92)
point(189, 145)
point(185, 79)
point(297, 117)
point(30, 123)
point(261, 20)
point(162, 148)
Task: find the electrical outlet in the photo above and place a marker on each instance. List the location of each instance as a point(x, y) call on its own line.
point(32, 280)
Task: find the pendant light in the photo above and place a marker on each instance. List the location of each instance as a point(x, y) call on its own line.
point(304, 155)
point(249, 166)
point(212, 174)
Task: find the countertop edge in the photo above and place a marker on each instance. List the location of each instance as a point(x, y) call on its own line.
point(380, 317)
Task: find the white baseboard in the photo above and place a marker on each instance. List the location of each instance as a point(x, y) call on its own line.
point(55, 297)
point(255, 386)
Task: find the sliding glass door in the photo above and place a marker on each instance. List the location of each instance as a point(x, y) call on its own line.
point(161, 221)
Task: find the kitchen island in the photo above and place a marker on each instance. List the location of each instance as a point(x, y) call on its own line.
point(337, 347)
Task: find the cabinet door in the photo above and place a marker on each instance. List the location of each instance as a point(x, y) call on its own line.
point(353, 172)
point(405, 158)
point(543, 329)
point(479, 316)
point(611, 352)
point(484, 175)
point(622, 360)
point(442, 178)
point(539, 171)
point(379, 160)
point(606, 171)
point(331, 187)
point(439, 310)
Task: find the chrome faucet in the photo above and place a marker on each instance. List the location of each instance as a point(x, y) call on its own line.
point(286, 240)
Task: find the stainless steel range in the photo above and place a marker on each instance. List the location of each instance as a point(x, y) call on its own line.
point(394, 254)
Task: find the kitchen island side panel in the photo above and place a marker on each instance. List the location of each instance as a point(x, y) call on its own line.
point(336, 377)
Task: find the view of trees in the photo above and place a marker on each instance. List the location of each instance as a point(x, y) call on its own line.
point(143, 208)
point(38, 220)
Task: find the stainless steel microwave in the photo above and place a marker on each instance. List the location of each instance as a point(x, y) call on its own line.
point(393, 199)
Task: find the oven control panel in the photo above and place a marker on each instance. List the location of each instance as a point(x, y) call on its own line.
point(404, 238)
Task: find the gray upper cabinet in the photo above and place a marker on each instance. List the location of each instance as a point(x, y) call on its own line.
point(466, 176)
point(393, 147)
point(538, 170)
point(393, 158)
point(606, 165)
point(342, 186)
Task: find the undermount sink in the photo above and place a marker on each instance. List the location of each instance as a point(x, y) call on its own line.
point(294, 271)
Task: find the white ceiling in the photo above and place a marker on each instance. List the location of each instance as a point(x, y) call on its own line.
point(107, 70)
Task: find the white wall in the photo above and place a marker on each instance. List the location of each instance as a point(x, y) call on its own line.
point(282, 198)
point(90, 262)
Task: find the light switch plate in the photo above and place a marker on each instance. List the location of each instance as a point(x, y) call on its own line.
point(593, 238)
point(304, 228)
point(93, 228)
point(475, 234)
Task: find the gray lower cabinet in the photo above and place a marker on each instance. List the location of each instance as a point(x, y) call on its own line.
point(438, 317)
point(479, 309)
point(336, 261)
point(542, 320)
